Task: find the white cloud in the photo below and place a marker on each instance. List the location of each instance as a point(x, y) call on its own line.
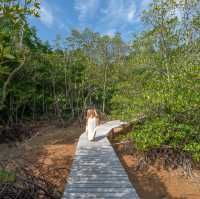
point(119, 12)
point(50, 16)
point(145, 3)
point(86, 8)
point(46, 15)
point(131, 15)
point(116, 16)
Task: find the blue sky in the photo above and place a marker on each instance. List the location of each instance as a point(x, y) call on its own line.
point(103, 16)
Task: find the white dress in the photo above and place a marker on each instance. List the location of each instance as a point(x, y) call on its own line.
point(91, 127)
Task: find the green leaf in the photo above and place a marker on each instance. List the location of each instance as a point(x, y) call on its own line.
point(9, 56)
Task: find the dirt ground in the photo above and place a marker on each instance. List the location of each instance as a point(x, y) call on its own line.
point(158, 183)
point(50, 152)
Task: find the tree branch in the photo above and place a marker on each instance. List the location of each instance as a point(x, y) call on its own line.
point(7, 82)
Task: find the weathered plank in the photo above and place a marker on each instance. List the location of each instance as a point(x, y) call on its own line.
point(96, 171)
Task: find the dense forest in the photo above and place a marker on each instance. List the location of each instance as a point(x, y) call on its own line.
point(155, 76)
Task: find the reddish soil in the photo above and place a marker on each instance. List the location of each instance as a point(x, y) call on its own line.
point(49, 153)
point(156, 182)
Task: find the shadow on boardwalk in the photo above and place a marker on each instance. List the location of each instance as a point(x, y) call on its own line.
point(99, 138)
point(96, 171)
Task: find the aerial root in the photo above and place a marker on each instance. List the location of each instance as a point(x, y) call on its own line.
point(165, 155)
point(23, 182)
point(168, 159)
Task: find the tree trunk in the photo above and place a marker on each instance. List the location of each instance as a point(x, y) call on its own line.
point(54, 97)
point(34, 106)
point(104, 88)
point(43, 99)
point(6, 84)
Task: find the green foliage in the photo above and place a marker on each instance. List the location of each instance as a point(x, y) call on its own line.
point(41, 81)
point(163, 81)
point(157, 75)
point(6, 176)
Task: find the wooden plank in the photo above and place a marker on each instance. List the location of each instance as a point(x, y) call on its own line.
point(122, 195)
point(101, 179)
point(99, 184)
point(96, 170)
point(98, 190)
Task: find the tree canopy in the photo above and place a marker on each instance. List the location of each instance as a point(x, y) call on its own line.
point(156, 75)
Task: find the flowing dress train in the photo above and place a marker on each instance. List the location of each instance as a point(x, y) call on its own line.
point(91, 127)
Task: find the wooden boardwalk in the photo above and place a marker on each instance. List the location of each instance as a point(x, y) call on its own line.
point(96, 170)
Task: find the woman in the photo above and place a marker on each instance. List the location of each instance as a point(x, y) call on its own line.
point(92, 121)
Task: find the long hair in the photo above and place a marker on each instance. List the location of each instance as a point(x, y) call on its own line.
point(92, 113)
